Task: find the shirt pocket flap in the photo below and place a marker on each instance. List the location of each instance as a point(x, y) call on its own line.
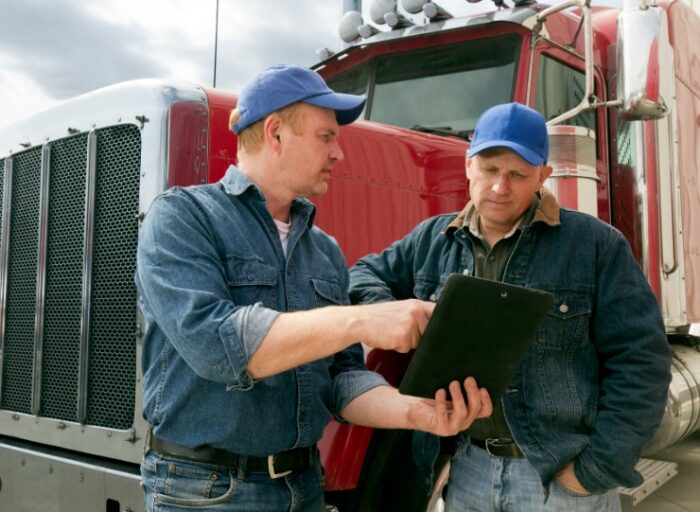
point(428, 287)
point(249, 272)
point(327, 291)
point(570, 304)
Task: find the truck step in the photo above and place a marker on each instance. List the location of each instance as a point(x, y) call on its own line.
point(655, 472)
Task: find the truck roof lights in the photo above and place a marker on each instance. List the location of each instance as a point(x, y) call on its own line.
point(413, 6)
point(397, 20)
point(350, 24)
point(366, 31)
point(380, 8)
point(431, 10)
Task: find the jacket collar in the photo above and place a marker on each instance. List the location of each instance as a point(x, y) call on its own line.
point(547, 211)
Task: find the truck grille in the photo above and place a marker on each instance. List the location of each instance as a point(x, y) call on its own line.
point(50, 385)
point(18, 347)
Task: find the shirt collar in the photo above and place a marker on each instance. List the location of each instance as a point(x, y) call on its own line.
point(236, 183)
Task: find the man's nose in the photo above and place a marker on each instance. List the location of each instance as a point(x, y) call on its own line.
point(501, 185)
point(337, 154)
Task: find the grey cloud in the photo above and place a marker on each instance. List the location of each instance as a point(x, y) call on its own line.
point(66, 51)
point(289, 33)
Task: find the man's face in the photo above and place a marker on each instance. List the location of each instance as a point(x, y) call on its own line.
point(502, 186)
point(311, 152)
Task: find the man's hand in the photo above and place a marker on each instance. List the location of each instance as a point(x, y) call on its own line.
point(396, 325)
point(567, 479)
point(448, 418)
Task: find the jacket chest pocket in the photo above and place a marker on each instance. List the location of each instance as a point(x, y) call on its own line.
point(326, 292)
point(251, 280)
point(428, 287)
point(567, 322)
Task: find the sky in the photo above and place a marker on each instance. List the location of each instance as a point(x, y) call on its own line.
point(51, 50)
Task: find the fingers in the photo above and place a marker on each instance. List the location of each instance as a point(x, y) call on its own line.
point(441, 408)
point(480, 405)
point(486, 404)
point(396, 325)
point(473, 401)
point(458, 415)
point(459, 405)
point(424, 313)
point(418, 313)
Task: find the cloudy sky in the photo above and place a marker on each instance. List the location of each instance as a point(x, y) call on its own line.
point(55, 49)
point(51, 50)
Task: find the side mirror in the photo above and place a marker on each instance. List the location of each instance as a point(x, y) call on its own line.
point(643, 48)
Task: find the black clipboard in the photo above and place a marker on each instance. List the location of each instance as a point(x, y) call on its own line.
point(479, 328)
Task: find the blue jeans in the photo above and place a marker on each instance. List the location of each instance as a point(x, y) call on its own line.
point(176, 485)
point(482, 483)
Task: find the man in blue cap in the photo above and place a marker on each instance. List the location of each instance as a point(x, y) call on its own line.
point(248, 348)
point(591, 391)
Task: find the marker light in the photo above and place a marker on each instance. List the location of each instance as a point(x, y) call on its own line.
point(379, 8)
point(435, 12)
point(366, 31)
point(413, 6)
point(350, 23)
point(396, 20)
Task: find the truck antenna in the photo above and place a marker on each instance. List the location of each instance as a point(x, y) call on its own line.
point(216, 40)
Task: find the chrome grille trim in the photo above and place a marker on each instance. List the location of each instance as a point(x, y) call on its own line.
point(4, 254)
point(87, 276)
point(41, 278)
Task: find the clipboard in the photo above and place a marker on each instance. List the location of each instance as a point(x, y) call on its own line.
point(479, 328)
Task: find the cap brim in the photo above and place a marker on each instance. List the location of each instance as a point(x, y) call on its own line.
point(347, 107)
point(526, 154)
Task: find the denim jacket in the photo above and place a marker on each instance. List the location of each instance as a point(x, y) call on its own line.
point(212, 277)
point(593, 386)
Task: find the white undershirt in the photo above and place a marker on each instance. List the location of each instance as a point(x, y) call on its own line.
point(283, 231)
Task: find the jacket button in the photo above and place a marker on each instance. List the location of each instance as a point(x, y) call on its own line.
point(432, 297)
point(465, 272)
point(249, 276)
point(564, 308)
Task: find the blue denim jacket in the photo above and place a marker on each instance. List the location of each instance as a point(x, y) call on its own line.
point(212, 277)
point(593, 386)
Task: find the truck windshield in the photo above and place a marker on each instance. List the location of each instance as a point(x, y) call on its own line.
point(439, 89)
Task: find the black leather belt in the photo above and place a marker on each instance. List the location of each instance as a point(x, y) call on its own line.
point(499, 447)
point(277, 465)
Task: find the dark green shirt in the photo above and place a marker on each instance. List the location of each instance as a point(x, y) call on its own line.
point(490, 263)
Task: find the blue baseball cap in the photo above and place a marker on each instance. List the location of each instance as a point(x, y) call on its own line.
point(515, 127)
point(281, 85)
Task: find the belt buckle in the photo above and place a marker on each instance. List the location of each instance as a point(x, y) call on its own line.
point(487, 446)
point(495, 442)
point(271, 468)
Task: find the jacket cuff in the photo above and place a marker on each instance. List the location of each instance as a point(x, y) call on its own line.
point(594, 480)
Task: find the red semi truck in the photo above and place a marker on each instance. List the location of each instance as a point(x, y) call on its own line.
point(621, 91)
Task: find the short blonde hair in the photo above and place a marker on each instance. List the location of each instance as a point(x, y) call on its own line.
point(251, 137)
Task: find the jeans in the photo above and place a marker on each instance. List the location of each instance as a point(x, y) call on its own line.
point(177, 485)
point(481, 483)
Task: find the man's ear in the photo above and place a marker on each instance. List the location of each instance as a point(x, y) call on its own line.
point(545, 172)
point(271, 130)
point(467, 164)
